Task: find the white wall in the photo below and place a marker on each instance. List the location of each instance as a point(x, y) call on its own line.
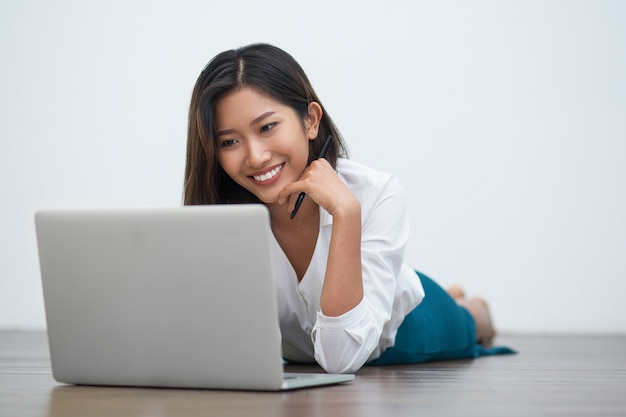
point(505, 120)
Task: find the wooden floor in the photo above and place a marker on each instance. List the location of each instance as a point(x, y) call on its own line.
point(550, 376)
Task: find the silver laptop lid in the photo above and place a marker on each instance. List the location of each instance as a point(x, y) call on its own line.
point(179, 297)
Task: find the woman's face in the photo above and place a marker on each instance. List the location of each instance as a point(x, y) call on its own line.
point(263, 145)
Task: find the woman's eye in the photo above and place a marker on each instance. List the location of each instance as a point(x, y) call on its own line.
point(228, 142)
point(267, 127)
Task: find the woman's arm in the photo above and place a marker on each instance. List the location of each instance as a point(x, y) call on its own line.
point(366, 247)
point(344, 343)
point(343, 281)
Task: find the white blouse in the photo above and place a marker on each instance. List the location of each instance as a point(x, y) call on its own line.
point(391, 288)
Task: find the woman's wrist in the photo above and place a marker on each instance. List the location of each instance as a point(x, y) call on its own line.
point(348, 209)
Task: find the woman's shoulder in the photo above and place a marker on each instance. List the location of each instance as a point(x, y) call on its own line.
point(381, 195)
point(357, 175)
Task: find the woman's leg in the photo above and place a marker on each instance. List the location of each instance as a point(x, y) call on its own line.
point(437, 329)
point(445, 325)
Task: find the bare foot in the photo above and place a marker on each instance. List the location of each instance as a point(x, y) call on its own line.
point(479, 309)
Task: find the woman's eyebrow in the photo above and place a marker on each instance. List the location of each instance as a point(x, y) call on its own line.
point(261, 117)
point(225, 132)
point(252, 123)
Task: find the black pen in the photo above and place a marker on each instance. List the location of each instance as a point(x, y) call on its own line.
point(322, 154)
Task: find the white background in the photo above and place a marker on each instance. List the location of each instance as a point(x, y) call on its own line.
point(505, 121)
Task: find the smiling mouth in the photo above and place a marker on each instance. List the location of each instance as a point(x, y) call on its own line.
point(268, 175)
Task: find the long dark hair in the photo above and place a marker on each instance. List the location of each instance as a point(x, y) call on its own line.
point(273, 72)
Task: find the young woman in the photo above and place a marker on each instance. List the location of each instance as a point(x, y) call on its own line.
point(346, 297)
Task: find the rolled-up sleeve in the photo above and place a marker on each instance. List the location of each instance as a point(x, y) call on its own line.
point(342, 344)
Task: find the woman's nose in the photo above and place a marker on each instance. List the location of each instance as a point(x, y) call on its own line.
point(257, 153)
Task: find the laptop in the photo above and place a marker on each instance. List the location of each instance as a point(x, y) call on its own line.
point(164, 297)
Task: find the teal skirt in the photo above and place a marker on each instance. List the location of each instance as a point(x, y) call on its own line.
point(437, 329)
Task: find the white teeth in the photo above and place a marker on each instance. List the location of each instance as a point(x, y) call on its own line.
point(268, 175)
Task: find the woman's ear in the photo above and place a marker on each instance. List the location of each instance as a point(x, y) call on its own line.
point(312, 120)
